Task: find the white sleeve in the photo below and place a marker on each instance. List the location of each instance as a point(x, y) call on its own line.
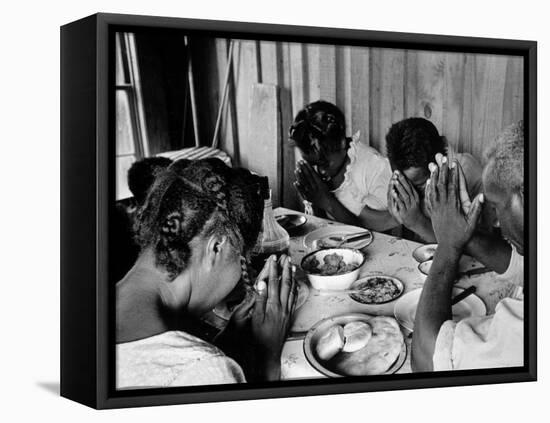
point(377, 186)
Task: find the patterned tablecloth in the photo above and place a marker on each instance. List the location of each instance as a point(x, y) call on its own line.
point(386, 255)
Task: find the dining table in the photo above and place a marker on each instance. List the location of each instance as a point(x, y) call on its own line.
point(386, 255)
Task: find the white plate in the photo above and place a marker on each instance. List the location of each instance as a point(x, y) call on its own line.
point(358, 284)
point(465, 264)
point(317, 330)
point(405, 308)
point(311, 240)
point(424, 252)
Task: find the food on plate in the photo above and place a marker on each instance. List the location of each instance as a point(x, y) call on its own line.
point(379, 354)
point(356, 336)
point(333, 264)
point(376, 290)
point(330, 343)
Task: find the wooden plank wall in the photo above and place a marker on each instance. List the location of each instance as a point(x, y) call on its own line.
point(469, 97)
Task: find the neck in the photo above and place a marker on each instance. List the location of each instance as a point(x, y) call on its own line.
point(146, 301)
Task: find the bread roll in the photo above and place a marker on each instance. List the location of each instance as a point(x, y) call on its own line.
point(330, 343)
point(356, 336)
point(378, 355)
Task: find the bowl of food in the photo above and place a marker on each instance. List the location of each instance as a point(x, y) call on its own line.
point(355, 344)
point(333, 268)
point(377, 289)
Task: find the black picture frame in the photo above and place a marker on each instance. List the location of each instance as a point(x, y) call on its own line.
point(87, 184)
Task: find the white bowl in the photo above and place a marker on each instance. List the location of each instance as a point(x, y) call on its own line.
point(334, 282)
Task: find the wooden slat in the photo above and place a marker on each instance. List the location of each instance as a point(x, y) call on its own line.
point(327, 73)
point(411, 83)
point(268, 57)
point(360, 92)
point(388, 75)
point(228, 130)
point(297, 76)
point(466, 140)
point(265, 130)
point(245, 75)
point(313, 73)
point(489, 100)
point(429, 87)
point(344, 97)
point(288, 196)
point(453, 98)
point(513, 91)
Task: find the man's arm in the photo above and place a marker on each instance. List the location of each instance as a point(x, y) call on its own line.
point(434, 307)
point(453, 230)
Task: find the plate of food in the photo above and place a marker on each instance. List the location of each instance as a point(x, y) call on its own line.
point(333, 236)
point(355, 345)
point(405, 308)
point(377, 289)
point(333, 268)
point(291, 222)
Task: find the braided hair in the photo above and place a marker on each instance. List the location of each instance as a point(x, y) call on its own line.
point(413, 142)
point(198, 198)
point(142, 174)
point(319, 125)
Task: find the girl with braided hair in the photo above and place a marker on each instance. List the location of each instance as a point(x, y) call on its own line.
point(198, 221)
point(340, 176)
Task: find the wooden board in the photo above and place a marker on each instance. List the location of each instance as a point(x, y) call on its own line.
point(453, 98)
point(313, 76)
point(387, 93)
point(360, 91)
point(228, 134)
point(245, 75)
point(490, 71)
point(264, 154)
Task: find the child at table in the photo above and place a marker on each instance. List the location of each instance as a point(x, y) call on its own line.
point(196, 223)
point(344, 178)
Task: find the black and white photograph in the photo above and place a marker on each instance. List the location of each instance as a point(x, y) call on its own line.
point(295, 211)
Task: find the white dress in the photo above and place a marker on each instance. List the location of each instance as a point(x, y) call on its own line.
point(173, 358)
point(366, 180)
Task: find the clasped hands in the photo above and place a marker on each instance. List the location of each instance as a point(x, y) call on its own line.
point(267, 310)
point(310, 186)
point(404, 202)
point(454, 216)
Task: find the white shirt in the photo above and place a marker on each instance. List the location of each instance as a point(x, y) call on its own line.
point(173, 358)
point(366, 180)
point(488, 341)
point(482, 342)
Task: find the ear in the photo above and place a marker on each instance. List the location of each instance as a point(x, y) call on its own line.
point(516, 207)
point(215, 247)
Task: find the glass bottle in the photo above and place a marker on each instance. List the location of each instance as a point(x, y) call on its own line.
point(273, 238)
